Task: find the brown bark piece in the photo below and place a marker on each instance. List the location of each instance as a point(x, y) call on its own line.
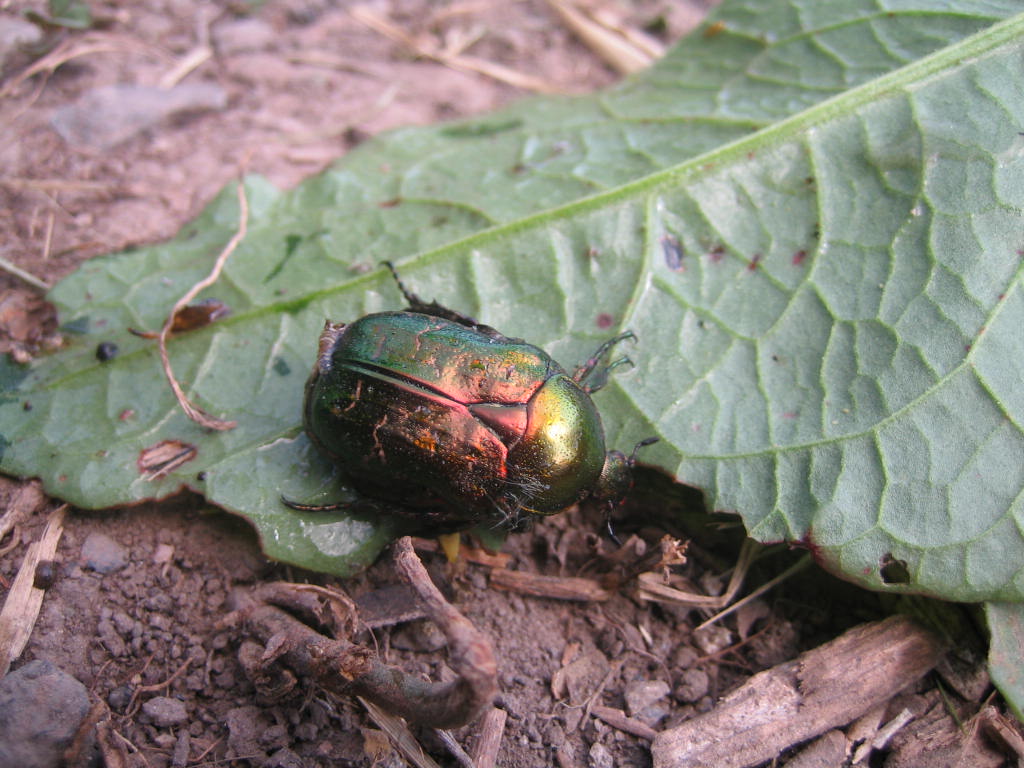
point(796, 701)
point(556, 587)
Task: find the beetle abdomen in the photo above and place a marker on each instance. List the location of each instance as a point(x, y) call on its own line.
point(404, 443)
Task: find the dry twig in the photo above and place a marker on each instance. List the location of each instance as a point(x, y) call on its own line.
point(449, 57)
point(348, 669)
point(626, 50)
point(795, 701)
point(195, 413)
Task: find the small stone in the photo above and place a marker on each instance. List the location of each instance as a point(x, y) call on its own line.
point(241, 35)
point(119, 698)
point(16, 34)
point(643, 693)
point(179, 758)
point(165, 712)
point(41, 708)
point(693, 685)
point(102, 554)
point(420, 636)
point(710, 640)
point(111, 639)
point(601, 757)
point(106, 116)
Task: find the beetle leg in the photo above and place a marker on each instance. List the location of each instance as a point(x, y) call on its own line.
point(412, 298)
point(298, 506)
point(591, 368)
point(416, 304)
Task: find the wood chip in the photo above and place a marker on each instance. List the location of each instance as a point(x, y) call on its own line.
point(616, 718)
point(492, 728)
point(556, 587)
point(793, 702)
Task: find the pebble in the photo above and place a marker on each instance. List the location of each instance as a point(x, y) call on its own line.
point(601, 757)
point(104, 117)
point(693, 685)
point(102, 554)
point(16, 33)
point(41, 708)
point(643, 693)
point(165, 712)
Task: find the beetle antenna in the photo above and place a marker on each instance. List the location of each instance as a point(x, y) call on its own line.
point(642, 444)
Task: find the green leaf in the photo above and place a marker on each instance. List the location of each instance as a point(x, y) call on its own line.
point(811, 219)
point(1006, 627)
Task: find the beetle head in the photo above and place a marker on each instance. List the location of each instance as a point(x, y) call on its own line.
point(617, 474)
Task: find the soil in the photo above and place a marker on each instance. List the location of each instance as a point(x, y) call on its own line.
point(138, 598)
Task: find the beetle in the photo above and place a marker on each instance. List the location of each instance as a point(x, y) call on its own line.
point(432, 415)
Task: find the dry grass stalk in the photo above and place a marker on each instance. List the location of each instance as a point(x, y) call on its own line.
point(21, 608)
point(450, 58)
point(400, 735)
point(652, 586)
point(195, 413)
point(627, 51)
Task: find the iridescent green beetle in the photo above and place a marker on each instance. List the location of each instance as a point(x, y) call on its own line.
point(446, 419)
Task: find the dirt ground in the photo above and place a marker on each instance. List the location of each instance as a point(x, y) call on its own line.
point(287, 86)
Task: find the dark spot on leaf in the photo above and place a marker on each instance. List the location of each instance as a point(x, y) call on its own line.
point(754, 261)
point(355, 136)
point(799, 257)
point(78, 325)
point(106, 351)
point(126, 414)
point(394, 202)
point(295, 305)
point(717, 254)
point(604, 320)
point(673, 252)
point(281, 367)
point(164, 457)
point(26, 406)
point(713, 30)
point(201, 476)
point(291, 245)
point(893, 571)
point(480, 128)
point(291, 242)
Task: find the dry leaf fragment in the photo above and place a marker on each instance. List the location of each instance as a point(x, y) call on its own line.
point(191, 317)
point(27, 324)
point(164, 457)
